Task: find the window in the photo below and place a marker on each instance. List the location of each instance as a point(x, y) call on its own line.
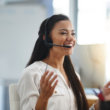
point(91, 22)
point(61, 7)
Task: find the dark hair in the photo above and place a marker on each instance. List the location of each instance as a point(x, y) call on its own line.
point(41, 52)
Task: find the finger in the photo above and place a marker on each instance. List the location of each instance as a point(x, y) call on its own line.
point(55, 84)
point(43, 76)
point(107, 85)
point(52, 80)
point(107, 91)
point(48, 77)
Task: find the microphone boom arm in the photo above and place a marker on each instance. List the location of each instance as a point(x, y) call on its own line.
point(57, 45)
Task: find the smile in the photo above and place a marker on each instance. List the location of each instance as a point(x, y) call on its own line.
point(71, 45)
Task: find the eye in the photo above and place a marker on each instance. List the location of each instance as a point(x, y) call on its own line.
point(63, 33)
point(73, 34)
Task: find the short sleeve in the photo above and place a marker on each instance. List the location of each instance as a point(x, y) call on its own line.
point(28, 88)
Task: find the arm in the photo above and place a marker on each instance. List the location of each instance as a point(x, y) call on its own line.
point(41, 103)
point(95, 106)
point(28, 90)
point(46, 90)
point(106, 92)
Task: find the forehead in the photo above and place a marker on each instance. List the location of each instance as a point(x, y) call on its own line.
point(64, 24)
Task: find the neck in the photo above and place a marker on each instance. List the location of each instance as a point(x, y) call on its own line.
point(55, 60)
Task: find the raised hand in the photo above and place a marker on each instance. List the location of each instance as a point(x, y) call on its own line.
point(106, 91)
point(46, 84)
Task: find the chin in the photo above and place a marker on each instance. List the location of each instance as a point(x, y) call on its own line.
point(69, 53)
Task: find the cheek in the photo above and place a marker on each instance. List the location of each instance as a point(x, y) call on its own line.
point(59, 40)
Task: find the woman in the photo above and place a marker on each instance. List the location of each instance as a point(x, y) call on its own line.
point(49, 81)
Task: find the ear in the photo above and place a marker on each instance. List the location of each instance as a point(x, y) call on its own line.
point(43, 37)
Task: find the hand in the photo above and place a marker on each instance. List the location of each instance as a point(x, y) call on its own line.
point(106, 91)
point(46, 85)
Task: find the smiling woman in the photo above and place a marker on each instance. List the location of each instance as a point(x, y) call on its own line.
point(55, 86)
point(63, 34)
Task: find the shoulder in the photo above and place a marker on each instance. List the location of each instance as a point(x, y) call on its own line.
point(30, 70)
point(34, 68)
point(28, 83)
point(33, 71)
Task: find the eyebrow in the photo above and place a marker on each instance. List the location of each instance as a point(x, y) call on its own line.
point(65, 30)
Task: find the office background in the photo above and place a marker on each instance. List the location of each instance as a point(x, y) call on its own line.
point(19, 24)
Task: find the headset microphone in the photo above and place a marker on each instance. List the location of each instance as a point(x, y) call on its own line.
point(50, 42)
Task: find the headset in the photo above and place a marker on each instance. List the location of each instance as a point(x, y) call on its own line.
point(48, 40)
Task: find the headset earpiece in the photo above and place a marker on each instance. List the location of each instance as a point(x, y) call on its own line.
point(47, 39)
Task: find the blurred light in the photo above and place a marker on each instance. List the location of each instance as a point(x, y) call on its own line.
point(108, 70)
point(57, 3)
point(61, 6)
point(108, 50)
point(91, 22)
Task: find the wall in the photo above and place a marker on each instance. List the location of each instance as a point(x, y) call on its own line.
point(19, 26)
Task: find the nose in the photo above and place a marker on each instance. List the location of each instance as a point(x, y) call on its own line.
point(70, 37)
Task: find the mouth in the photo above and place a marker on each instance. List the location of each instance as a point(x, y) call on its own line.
point(69, 44)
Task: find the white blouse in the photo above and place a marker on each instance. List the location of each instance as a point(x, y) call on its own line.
point(29, 88)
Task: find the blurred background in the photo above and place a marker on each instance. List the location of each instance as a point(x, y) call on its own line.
point(19, 24)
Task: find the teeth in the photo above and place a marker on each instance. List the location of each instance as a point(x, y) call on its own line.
point(68, 44)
